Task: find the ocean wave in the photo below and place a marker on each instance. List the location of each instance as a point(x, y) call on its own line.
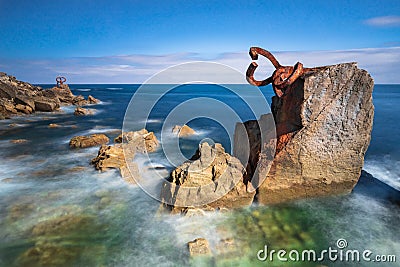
point(114, 88)
point(83, 89)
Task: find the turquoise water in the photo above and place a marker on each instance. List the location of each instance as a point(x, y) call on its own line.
point(56, 210)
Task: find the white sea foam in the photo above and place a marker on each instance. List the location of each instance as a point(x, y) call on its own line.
point(68, 109)
point(114, 88)
point(385, 169)
point(83, 89)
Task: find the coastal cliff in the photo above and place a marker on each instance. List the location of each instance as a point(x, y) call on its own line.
point(323, 128)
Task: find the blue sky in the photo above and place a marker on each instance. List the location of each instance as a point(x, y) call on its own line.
point(127, 41)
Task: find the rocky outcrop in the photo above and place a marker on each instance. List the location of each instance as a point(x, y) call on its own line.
point(46, 104)
point(142, 141)
point(211, 180)
point(88, 141)
point(183, 131)
point(83, 111)
point(17, 97)
point(93, 100)
point(121, 156)
point(323, 127)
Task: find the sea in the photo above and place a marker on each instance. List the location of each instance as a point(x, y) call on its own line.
point(57, 210)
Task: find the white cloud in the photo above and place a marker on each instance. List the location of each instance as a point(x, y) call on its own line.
point(382, 63)
point(386, 21)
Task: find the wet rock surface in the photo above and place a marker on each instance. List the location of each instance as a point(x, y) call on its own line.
point(198, 247)
point(121, 155)
point(323, 126)
point(88, 141)
point(211, 180)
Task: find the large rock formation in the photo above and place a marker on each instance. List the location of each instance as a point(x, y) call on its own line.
point(312, 144)
point(17, 97)
point(323, 126)
point(120, 156)
point(210, 180)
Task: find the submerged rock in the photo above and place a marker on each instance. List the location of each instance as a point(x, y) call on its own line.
point(54, 125)
point(88, 141)
point(65, 240)
point(18, 141)
point(183, 131)
point(211, 180)
point(199, 247)
point(323, 126)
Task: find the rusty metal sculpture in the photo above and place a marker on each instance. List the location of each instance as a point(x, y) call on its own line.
point(282, 77)
point(60, 80)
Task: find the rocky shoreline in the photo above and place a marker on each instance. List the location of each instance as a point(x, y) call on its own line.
point(19, 98)
point(323, 128)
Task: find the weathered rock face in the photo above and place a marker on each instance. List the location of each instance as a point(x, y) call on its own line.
point(17, 97)
point(211, 180)
point(88, 141)
point(120, 156)
point(142, 140)
point(183, 131)
point(323, 126)
point(46, 104)
point(63, 93)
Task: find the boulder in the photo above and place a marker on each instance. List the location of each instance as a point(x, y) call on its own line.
point(83, 111)
point(211, 180)
point(93, 100)
point(46, 104)
point(88, 141)
point(323, 126)
point(24, 100)
point(79, 101)
point(183, 131)
point(142, 140)
point(120, 156)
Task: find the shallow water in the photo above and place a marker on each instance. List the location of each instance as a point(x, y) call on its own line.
point(56, 210)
